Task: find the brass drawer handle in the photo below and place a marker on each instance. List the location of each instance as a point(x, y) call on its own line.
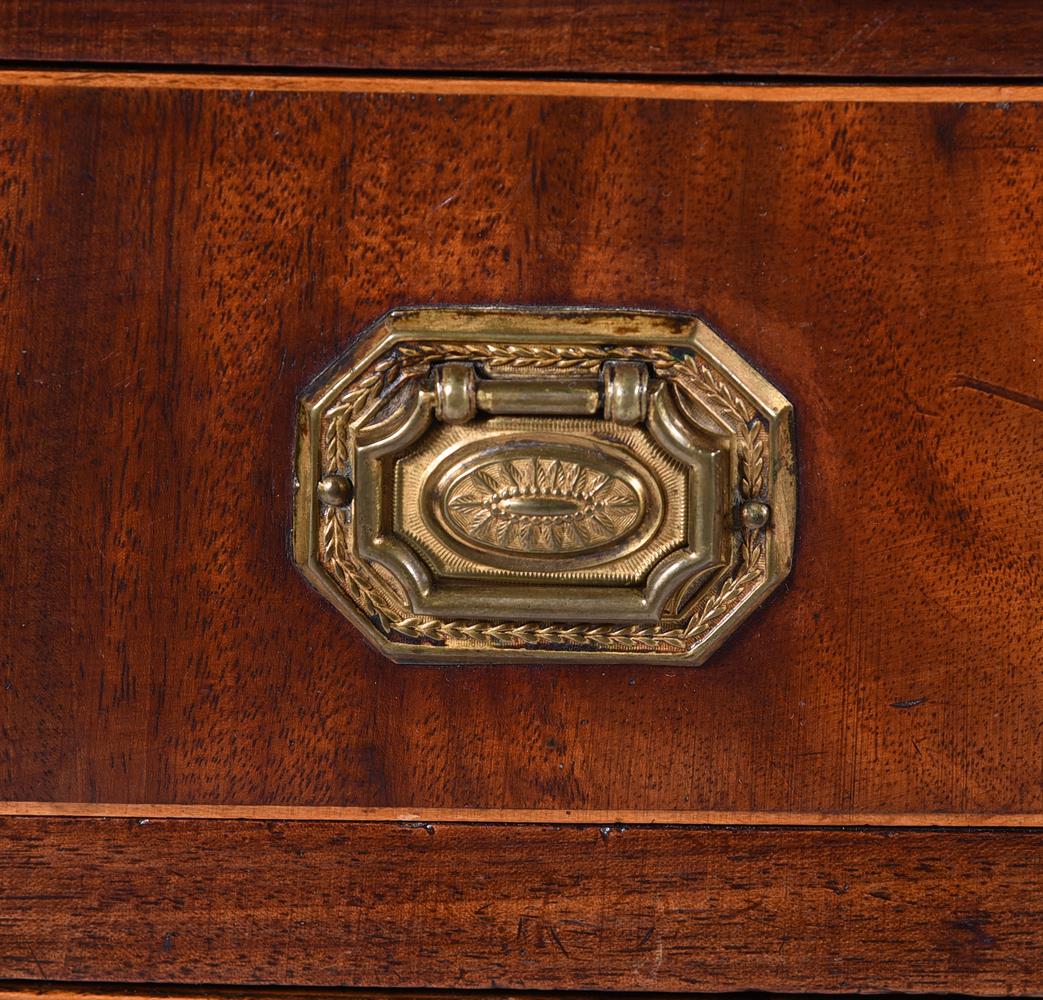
point(460, 393)
point(509, 484)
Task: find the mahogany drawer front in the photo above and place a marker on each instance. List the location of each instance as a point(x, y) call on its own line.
point(183, 255)
point(183, 261)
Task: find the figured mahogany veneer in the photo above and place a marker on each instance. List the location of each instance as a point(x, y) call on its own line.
point(180, 263)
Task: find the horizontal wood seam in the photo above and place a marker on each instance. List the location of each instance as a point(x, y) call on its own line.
point(896, 93)
point(217, 69)
point(510, 817)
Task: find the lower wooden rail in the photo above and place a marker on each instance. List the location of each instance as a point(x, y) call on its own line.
point(487, 906)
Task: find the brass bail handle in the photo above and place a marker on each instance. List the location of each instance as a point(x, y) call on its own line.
point(620, 392)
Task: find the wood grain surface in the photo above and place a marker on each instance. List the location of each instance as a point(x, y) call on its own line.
point(879, 38)
point(180, 263)
point(521, 907)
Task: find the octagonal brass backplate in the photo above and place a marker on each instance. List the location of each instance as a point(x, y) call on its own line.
point(514, 484)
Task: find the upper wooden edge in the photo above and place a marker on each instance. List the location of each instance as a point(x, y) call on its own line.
point(831, 38)
point(568, 817)
point(748, 92)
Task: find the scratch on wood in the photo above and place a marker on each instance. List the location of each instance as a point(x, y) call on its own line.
point(39, 965)
point(1002, 392)
point(557, 940)
point(910, 703)
point(860, 37)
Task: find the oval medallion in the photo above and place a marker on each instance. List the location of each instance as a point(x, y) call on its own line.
point(539, 500)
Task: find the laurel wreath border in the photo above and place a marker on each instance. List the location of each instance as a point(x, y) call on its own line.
point(694, 616)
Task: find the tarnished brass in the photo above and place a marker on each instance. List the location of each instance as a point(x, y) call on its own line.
point(514, 484)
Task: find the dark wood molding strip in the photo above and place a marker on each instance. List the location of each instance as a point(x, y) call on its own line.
point(535, 907)
point(849, 38)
